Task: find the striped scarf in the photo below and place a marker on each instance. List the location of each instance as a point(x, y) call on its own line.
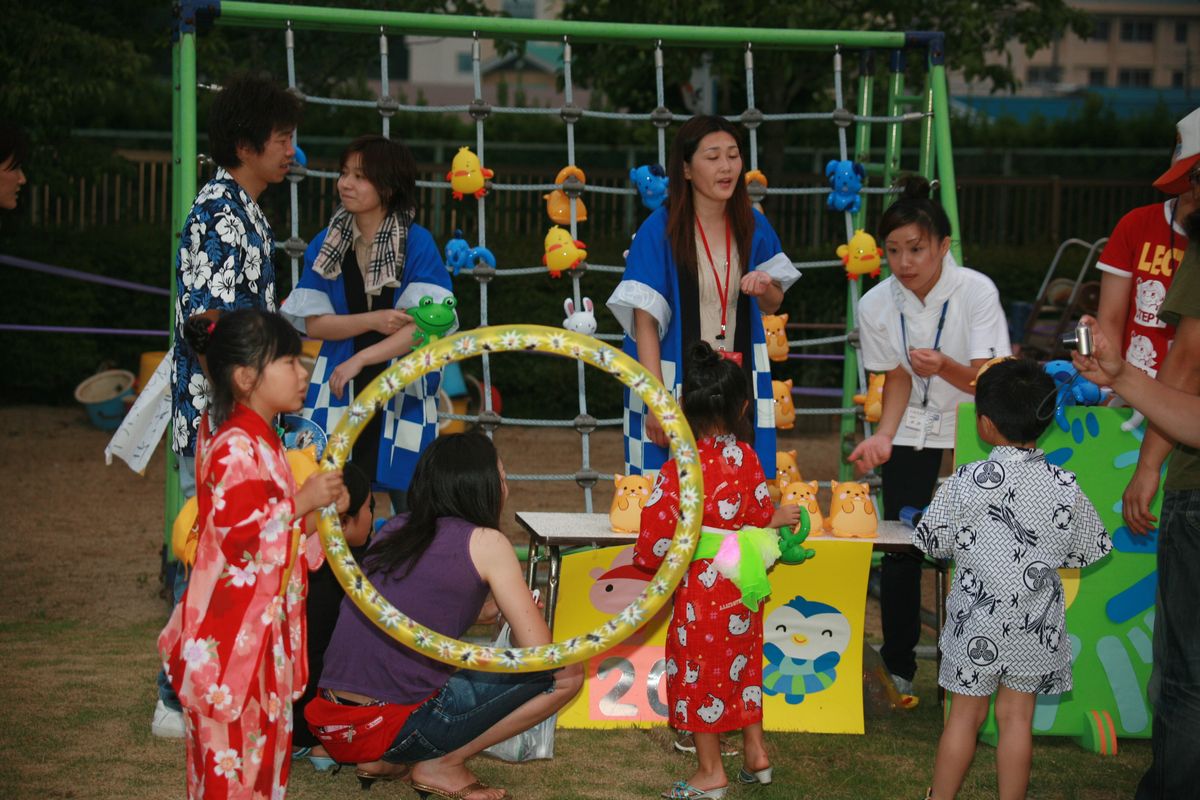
point(387, 251)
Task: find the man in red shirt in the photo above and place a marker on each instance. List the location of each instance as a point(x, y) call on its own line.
point(1141, 257)
point(1139, 264)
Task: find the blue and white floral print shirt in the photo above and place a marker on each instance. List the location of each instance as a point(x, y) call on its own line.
point(225, 262)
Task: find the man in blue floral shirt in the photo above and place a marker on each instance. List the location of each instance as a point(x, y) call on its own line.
point(225, 262)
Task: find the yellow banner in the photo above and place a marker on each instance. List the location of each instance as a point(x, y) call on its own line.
point(813, 640)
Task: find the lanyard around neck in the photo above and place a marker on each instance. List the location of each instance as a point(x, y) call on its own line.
point(937, 341)
point(723, 292)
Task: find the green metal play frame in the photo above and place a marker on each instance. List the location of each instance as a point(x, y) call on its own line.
point(935, 157)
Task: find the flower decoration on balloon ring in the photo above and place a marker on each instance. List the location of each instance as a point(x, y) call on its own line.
point(500, 339)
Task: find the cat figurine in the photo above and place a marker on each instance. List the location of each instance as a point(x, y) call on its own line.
point(785, 410)
point(774, 329)
point(804, 494)
point(625, 514)
point(852, 512)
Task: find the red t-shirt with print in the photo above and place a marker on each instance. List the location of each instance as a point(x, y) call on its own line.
point(1147, 249)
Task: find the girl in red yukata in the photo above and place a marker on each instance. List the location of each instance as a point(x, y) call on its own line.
point(234, 648)
point(715, 640)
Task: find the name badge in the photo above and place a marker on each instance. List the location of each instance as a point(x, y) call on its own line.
point(922, 419)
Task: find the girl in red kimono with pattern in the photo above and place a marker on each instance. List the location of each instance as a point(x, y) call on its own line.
point(234, 648)
point(715, 641)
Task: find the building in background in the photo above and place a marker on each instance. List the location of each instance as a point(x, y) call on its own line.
point(1141, 53)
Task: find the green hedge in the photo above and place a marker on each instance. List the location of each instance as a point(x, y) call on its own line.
point(45, 368)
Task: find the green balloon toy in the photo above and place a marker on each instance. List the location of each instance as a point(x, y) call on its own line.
point(791, 542)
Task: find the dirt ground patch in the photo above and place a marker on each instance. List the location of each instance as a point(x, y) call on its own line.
point(82, 607)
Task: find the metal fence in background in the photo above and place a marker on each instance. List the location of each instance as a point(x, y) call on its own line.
point(994, 210)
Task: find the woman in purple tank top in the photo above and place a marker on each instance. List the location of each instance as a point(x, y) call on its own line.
point(398, 714)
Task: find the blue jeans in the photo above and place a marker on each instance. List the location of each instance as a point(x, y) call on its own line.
point(468, 705)
point(187, 487)
point(1175, 745)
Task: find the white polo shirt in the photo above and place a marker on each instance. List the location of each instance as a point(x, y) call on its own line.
point(975, 327)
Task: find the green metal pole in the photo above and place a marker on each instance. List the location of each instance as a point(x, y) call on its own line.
point(234, 12)
point(925, 160)
point(171, 501)
point(183, 103)
point(945, 157)
point(862, 153)
point(862, 131)
point(894, 131)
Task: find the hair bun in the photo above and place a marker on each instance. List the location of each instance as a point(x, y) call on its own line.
point(198, 330)
point(703, 355)
point(914, 187)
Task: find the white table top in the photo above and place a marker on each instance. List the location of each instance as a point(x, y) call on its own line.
point(557, 528)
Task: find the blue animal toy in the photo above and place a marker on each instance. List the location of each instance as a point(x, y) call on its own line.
point(460, 254)
point(845, 180)
point(651, 182)
point(1072, 390)
point(803, 641)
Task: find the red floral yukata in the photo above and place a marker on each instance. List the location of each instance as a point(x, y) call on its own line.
point(714, 644)
point(234, 647)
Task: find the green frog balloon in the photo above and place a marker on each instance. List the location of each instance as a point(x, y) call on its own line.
point(433, 320)
point(791, 541)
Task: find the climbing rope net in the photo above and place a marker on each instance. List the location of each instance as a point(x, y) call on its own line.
point(930, 108)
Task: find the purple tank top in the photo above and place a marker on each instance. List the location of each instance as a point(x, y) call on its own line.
point(443, 592)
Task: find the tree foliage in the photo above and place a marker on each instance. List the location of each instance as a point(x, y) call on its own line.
point(800, 81)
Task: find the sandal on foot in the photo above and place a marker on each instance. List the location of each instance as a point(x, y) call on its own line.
point(761, 776)
point(424, 791)
point(368, 778)
point(682, 790)
point(684, 743)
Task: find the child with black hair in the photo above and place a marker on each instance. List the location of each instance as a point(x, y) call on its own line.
point(324, 599)
point(1009, 522)
point(715, 642)
point(233, 649)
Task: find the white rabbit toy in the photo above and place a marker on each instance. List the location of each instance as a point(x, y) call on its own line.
point(583, 321)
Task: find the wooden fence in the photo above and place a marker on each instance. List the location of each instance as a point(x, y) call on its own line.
point(997, 210)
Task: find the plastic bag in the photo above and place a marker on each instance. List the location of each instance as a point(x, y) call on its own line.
point(529, 745)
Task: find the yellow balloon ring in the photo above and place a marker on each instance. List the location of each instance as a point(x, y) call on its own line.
point(502, 339)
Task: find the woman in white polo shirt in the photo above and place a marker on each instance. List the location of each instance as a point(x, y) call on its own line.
point(929, 327)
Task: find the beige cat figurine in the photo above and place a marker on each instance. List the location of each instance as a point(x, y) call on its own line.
point(851, 512)
point(625, 515)
point(786, 471)
point(804, 494)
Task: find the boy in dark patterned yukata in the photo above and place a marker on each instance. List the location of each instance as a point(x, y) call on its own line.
point(1010, 523)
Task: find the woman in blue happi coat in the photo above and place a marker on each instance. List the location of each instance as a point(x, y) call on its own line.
point(704, 267)
point(360, 273)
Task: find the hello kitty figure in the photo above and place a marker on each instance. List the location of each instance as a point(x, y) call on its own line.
point(681, 632)
point(735, 669)
point(1149, 298)
point(661, 547)
point(752, 696)
point(681, 711)
point(583, 321)
point(762, 494)
point(691, 672)
point(713, 711)
point(672, 668)
point(708, 577)
point(739, 625)
point(732, 453)
point(690, 612)
point(1141, 354)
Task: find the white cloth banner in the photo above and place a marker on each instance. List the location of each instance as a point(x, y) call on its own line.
point(138, 437)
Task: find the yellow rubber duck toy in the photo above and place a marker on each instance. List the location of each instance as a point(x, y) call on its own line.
point(467, 175)
point(562, 252)
point(558, 205)
point(861, 256)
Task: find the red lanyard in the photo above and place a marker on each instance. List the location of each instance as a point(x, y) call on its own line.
point(722, 291)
